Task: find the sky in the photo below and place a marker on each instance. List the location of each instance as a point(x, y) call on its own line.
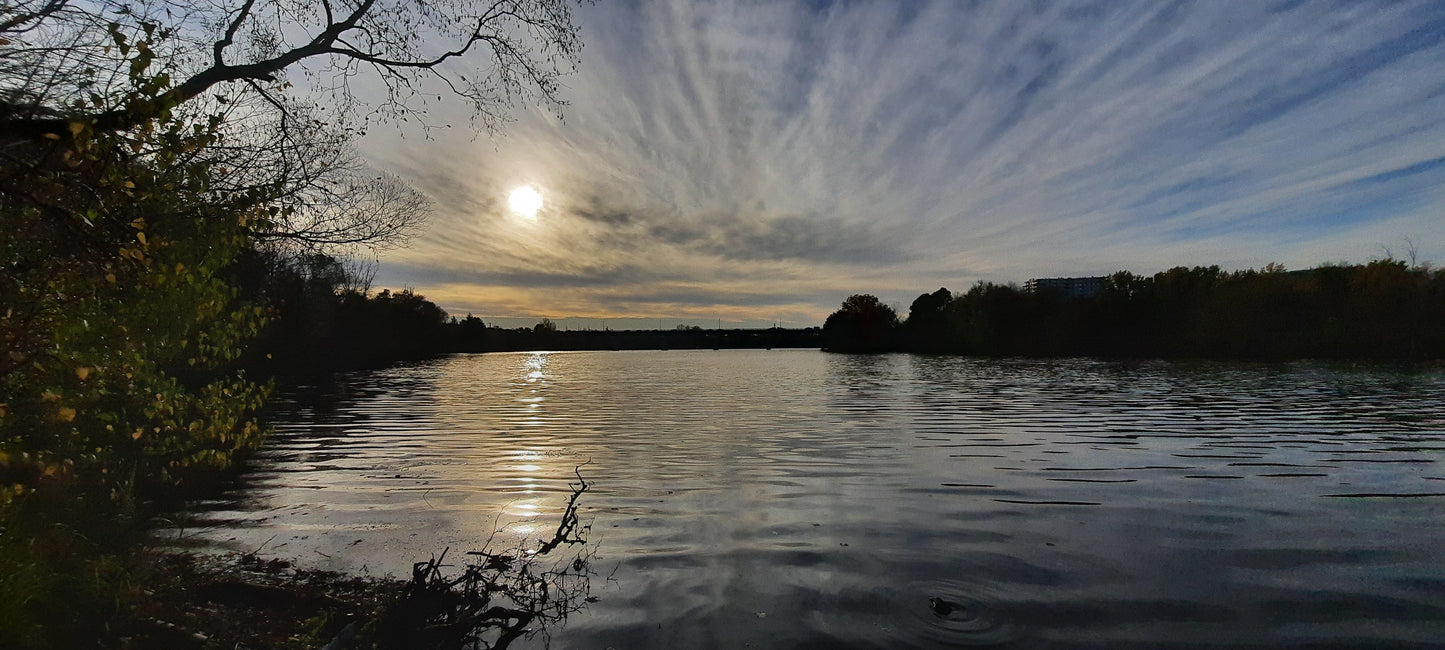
point(752, 163)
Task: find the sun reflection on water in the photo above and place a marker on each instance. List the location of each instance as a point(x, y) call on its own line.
point(951, 493)
point(535, 365)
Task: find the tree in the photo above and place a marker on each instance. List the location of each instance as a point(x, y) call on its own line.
point(862, 324)
point(928, 307)
point(927, 323)
point(69, 66)
point(117, 327)
point(145, 148)
point(118, 339)
point(328, 199)
point(62, 59)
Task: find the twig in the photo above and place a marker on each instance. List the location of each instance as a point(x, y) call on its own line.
point(497, 598)
point(256, 552)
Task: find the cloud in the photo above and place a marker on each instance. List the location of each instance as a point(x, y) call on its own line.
point(764, 152)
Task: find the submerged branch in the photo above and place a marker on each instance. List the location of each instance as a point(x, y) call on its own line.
point(497, 598)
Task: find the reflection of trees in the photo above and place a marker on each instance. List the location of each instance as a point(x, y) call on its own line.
point(497, 598)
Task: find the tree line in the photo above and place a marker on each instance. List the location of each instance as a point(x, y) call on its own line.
point(1386, 309)
point(323, 317)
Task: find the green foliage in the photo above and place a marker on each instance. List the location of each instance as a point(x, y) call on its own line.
point(56, 591)
point(116, 316)
point(118, 333)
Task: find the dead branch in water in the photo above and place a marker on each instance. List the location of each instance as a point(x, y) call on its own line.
point(498, 597)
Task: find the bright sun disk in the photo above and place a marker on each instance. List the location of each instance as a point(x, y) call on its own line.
point(525, 201)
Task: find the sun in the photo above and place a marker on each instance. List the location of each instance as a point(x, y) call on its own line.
point(525, 201)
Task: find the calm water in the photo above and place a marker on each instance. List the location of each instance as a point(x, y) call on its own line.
point(804, 499)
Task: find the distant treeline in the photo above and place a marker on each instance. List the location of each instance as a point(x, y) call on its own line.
point(1386, 309)
point(322, 318)
point(470, 334)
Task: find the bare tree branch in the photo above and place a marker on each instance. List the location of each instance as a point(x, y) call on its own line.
point(13, 23)
point(532, 43)
point(229, 39)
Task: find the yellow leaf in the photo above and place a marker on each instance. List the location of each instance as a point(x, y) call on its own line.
point(110, 277)
point(136, 435)
point(50, 396)
point(66, 414)
point(82, 372)
point(142, 237)
point(76, 128)
point(51, 136)
point(130, 185)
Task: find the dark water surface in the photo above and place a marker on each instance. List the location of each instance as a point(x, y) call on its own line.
point(804, 499)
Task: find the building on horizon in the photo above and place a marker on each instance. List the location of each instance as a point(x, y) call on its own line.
point(1068, 288)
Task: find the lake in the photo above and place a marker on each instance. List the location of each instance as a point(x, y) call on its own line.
point(795, 498)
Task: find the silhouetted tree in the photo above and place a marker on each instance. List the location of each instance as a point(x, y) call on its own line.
point(927, 326)
point(862, 324)
point(68, 62)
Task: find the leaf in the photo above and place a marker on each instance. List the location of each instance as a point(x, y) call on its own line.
point(76, 128)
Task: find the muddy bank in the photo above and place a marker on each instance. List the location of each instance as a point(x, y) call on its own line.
point(475, 599)
point(242, 601)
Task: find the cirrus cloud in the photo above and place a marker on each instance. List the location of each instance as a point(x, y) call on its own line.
point(725, 156)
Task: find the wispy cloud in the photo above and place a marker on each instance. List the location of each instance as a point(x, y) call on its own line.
point(782, 155)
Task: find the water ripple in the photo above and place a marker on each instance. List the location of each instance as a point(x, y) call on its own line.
point(801, 499)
